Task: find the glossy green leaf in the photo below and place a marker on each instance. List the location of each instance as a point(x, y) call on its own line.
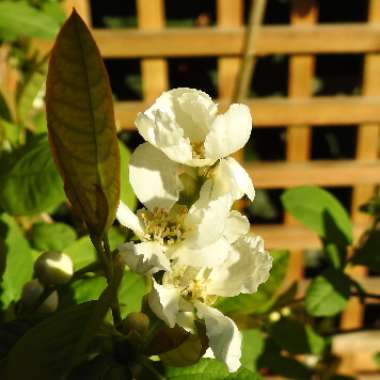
point(30, 183)
point(82, 252)
point(52, 236)
point(81, 125)
point(318, 210)
point(368, 253)
point(46, 349)
point(208, 369)
point(30, 89)
point(131, 292)
point(252, 347)
point(88, 289)
point(19, 19)
point(17, 259)
point(126, 192)
point(264, 298)
point(328, 293)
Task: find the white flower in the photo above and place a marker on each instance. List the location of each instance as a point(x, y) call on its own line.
point(187, 292)
point(177, 233)
point(182, 128)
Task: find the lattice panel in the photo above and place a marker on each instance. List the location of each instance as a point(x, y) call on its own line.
point(299, 112)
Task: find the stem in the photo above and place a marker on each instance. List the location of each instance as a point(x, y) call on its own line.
point(349, 331)
point(115, 307)
point(146, 363)
point(366, 295)
point(244, 78)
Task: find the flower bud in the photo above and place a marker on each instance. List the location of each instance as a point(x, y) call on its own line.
point(136, 321)
point(31, 293)
point(54, 268)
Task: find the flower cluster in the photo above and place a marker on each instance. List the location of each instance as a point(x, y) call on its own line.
point(190, 241)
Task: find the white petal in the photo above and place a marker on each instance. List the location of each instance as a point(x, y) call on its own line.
point(185, 319)
point(164, 134)
point(230, 177)
point(207, 256)
point(129, 219)
point(164, 302)
point(145, 258)
point(248, 267)
point(195, 111)
point(236, 226)
point(154, 177)
point(178, 118)
point(223, 335)
point(229, 132)
point(206, 219)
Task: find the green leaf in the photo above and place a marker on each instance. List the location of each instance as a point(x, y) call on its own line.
point(102, 367)
point(30, 181)
point(55, 346)
point(126, 192)
point(29, 89)
point(368, 253)
point(88, 289)
point(81, 125)
point(297, 338)
point(208, 369)
point(328, 293)
point(18, 19)
point(131, 293)
point(55, 10)
point(243, 374)
point(52, 236)
point(5, 112)
point(17, 259)
point(279, 364)
point(46, 350)
point(82, 252)
point(264, 298)
point(9, 131)
point(376, 358)
point(318, 210)
point(252, 347)
point(205, 369)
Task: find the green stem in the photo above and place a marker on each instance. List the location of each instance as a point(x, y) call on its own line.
point(115, 307)
point(146, 363)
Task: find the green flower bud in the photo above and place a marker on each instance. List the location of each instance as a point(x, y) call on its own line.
point(136, 322)
point(54, 268)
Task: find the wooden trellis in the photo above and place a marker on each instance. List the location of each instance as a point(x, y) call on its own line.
point(301, 40)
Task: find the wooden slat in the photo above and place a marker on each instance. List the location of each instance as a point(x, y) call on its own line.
point(82, 7)
point(366, 150)
point(229, 14)
point(332, 173)
point(269, 112)
point(277, 236)
point(301, 73)
point(358, 349)
point(154, 71)
point(173, 42)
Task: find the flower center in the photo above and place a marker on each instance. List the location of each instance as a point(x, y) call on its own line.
point(192, 283)
point(198, 149)
point(164, 226)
